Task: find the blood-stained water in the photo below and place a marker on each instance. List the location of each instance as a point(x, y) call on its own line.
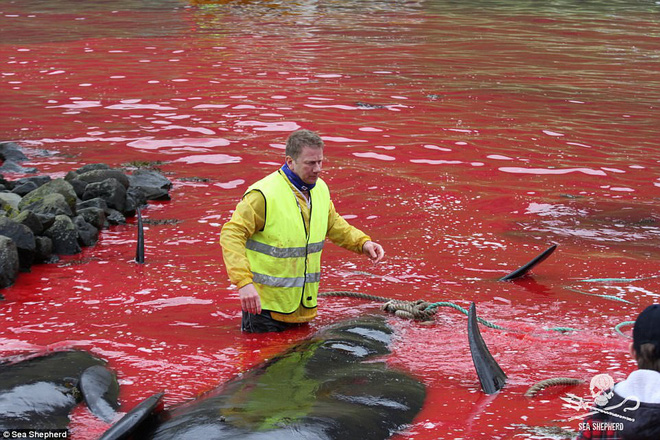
point(466, 137)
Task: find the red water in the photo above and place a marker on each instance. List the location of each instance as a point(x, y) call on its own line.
point(497, 130)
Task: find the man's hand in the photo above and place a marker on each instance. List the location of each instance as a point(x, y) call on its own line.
point(373, 250)
point(250, 301)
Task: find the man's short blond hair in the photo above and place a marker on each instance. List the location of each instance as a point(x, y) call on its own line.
point(300, 139)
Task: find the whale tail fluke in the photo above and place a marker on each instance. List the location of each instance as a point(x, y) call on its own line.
point(100, 389)
point(135, 419)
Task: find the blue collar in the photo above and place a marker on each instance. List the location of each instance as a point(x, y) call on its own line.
point(297, 181)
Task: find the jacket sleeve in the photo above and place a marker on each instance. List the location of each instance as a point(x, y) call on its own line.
point(248, 218)
point(341, 233)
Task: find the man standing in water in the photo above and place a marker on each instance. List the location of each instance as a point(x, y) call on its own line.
point(272, 244)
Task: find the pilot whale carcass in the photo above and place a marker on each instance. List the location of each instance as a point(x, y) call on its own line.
point(40, 392)
point(330, 386)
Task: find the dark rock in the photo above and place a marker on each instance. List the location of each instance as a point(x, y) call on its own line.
point(8, 262)
point(152, 193)
point(24, 188)
point(37, 180)
point(115, 217)
point(88, 235)
point(46, 220)
point(11, 151)
point(79, 187)
point(57, 186)
point(11, 154)
point(71, 175)
point(69, 212)
point(96, 202)
point(92, 167)
point(150, 185)
point(101, 175)
point(135, 198)
point(31, 220)
point(138, 195)
point(48, 205)
point(64, 235)
point(5, 183)
point(149, 179)
point(44, 249)
point(93, 216)
point(23, 237)
point(110, 190)
point(9, 166)
point(131, 207)
point(9, 203)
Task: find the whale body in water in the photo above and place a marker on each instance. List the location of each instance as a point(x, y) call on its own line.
point(40, 392)
point(331, 386)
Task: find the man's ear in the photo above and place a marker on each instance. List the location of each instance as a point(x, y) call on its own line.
point(289, 161)
point(633, 353)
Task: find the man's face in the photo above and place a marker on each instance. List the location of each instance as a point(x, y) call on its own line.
point(308, 165)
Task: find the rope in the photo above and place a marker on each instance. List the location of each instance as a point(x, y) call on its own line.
point(419, 310)
point(618, 328)
point(355, 295)
point(465, 312)
point(563, 329)
point(614, 298)
point(540, 386)
point(617, 280)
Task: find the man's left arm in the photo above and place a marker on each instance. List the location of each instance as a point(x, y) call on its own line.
point(341, 233)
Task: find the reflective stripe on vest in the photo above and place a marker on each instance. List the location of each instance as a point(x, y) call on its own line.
point(285, 259)
point(286, 282)
point(293, 252)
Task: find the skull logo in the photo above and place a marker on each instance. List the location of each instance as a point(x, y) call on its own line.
point(601, 388)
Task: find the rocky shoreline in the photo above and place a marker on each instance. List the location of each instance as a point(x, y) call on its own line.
point(41, 217)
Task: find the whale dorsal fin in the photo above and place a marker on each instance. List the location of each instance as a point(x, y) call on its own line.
point(523, 270)
point(490, 374)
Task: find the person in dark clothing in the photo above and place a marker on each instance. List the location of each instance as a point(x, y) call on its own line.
point(632, 410)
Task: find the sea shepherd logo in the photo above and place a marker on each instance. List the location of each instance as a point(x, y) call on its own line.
point(601, 388)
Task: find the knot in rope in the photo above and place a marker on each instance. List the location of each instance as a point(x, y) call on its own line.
point(417, 310)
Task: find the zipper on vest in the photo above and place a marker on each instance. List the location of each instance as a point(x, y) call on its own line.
point(307, 235)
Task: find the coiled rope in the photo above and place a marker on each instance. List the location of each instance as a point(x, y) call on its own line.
point(419, 310)
point(355, 295)
point(422, 310)
point(540, 386)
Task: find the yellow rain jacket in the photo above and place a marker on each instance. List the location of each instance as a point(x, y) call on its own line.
point(277, 247)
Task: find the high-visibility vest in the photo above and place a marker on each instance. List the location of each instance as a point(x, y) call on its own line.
point(285, 258)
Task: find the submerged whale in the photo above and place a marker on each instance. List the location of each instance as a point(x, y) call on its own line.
point(40, 392)
point(331, 386)
point(334, 385)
